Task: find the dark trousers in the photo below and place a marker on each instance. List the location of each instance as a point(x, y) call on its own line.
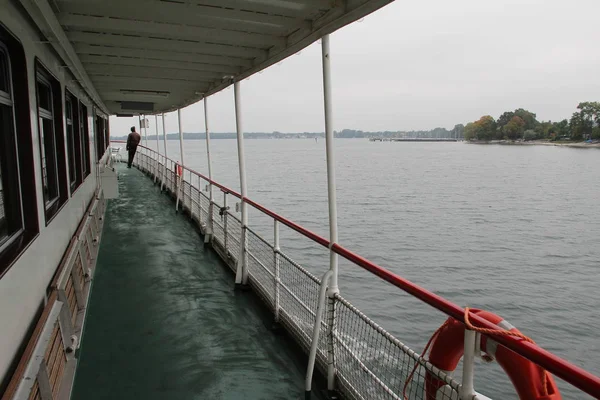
point(132, 151)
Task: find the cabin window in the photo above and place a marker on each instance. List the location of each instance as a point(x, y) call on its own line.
point(73, 141)
point(100, 136)
point(11, 213)
point(18, 211)
point(47, 143)
point(106, 135)
point(51, 143)
point(5, 76)
point(85, 139)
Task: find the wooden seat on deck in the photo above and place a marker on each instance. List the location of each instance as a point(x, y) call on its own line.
point(47, 366)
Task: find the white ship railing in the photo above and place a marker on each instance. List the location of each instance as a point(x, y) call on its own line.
point(368, 361)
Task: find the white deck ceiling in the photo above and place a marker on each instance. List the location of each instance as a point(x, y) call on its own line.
point(172, 53)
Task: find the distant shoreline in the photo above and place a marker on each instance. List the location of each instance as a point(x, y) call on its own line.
point(578, 145)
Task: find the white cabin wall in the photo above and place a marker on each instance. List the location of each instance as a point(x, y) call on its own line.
point(23, 287)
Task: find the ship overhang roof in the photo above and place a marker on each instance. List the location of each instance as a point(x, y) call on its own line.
point(152, 56)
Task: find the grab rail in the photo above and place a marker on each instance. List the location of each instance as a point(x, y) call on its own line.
point(563, 369)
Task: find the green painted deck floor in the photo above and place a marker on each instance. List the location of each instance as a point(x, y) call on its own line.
point(164, 321)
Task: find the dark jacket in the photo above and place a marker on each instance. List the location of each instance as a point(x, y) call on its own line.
point(133, 140)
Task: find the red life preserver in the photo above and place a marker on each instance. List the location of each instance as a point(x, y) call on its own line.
point(179, 170)
point(448, 347)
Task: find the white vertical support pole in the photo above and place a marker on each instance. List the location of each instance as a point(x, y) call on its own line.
point(190, 196)
point(146, 152)
point(333, 232)
point(209, 223)
point(224, 219)
point(157, 149)
point(179, 178)
point(276, 257)
point(145, 132)
point(172, 182)
point(165, 143)
point(199, 205)
point(140, 158)
point(467, 389)
point(241, 276)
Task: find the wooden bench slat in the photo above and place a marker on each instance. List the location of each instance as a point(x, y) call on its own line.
point(55, 358)
point(13, 385)
point(54, 346)
point(72, 300)
point(48, 352)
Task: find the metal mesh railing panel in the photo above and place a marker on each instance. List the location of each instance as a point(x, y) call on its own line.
point(196, 204)
point(205, 205)
point(161, 171)
point(157, 169)
point(218, 226)
point(188, 194)
point(372, 364)
point(170, 179)
point(152, 167)
point(261, 266)
point(144, 162)
point(298, 299)
point(234, 235)
point(184, 195)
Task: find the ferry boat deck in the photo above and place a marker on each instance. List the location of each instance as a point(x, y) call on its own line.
point(164, 320)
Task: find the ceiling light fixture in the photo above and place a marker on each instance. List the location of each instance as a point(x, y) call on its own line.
point(146, 93)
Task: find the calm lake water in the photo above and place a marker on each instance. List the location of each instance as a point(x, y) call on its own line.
point(510, 229)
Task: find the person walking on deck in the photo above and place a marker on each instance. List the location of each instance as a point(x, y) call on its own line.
point(132, 143)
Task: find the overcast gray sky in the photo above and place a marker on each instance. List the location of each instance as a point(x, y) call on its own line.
point(424, 64)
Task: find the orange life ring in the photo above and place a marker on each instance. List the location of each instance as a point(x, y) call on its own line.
point(448, 348)
point(179, 170)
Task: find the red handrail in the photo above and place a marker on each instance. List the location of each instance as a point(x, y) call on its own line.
point(563, 369)
point(573, 374)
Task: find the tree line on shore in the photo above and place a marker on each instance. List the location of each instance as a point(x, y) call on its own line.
point(522, 124)
point(519, 124)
